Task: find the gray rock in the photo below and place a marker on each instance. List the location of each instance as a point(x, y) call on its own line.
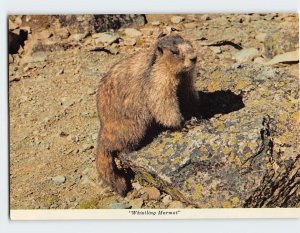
point(177, 19)
point(246, 54)
point(286, 57)
point(106, 38)
point(216, 49)
point(136, 203)
point(118, 206)
point(167, 200)
point(137, 186)
point(59, 180)
point(132, 32)
point(239, 142)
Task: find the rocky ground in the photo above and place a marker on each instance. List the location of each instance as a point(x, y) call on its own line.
point(247, 76)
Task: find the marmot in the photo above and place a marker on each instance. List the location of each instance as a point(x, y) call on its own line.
point(153, 86)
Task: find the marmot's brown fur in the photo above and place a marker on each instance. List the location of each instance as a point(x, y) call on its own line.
point(153, 86)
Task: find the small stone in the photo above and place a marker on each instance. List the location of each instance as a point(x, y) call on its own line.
point(216, 49)
point(106, 38)
point(35, 57)
point(177, 19)
point(67, 102)
point(91, 91)
point(285, 57)
point(132, 32)
point(155, 23)
point(259, 60)
point(59, 179)
point(136, 203)
point(137, 186)
point(153, 193)
point(246, 54)
point(60, 72)
point(261, 37)
point(63, 33)
point(176, 205)
point(130, 41)
point(77, 37)
point(166, 200)
point(205, 17)
point(72, 199)
point(190, 25)
point(192, 17)
point(147, 31)
point(145, 196)
point(118, 206)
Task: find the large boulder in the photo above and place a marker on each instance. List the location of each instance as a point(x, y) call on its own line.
point(245, 154)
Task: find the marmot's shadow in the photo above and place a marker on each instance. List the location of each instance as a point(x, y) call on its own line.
point(218, 102)
point(210, 103)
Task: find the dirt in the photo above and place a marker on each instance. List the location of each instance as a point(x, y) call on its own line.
point(53, 117)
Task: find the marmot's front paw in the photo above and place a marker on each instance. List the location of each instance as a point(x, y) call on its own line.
point(191, 123)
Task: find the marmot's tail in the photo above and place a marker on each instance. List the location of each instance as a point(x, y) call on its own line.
point(109, 172)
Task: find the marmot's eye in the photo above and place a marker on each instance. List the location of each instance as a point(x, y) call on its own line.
point(175, 52)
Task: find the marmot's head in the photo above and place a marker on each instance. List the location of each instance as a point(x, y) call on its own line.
point(178, 53)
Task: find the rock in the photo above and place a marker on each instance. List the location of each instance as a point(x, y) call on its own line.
point(259, 60)
point(216, 49)
point(192, 18)
point(280, 41)
point(261, 37)
point(137, 186)
point(77, 37)
point(59, 180)
point(177, 19)
point(63, 33)
point(176, 205)
point(286, 57)
point(205, 17)
point(246, 137)
point(91, 91)
point(60, 72)
point(136, 203)
point(190, 25)
point(147, 31)
point(106, 38)
point(153, 193)
point(132, 32)
point(67, 102)
point(155, 23)
point(130, 41)
point(166, 200)
point(246, 54)
point(35, 57)
point(118, 206)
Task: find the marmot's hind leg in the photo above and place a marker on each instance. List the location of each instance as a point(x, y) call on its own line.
point(109, 172)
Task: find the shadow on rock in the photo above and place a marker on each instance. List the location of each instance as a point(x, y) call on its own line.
point(218, 102)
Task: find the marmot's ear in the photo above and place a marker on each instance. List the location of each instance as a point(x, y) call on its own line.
point(161, 35)
point(160, 49)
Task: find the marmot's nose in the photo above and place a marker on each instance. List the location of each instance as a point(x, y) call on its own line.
point(193, 59)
